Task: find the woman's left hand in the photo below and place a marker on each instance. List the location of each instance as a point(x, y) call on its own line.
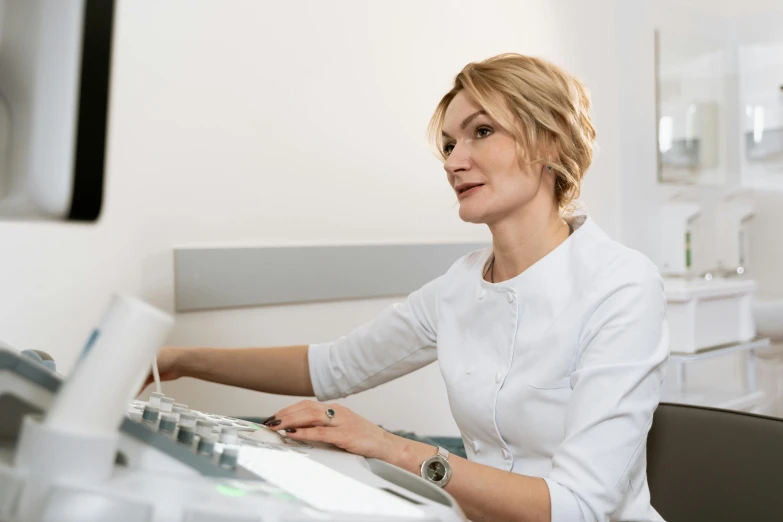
point(310, 420)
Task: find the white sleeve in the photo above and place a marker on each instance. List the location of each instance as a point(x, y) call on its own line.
point(398, 341)
point(617, 383)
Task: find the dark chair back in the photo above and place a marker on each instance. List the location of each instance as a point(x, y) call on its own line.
point(711, 465)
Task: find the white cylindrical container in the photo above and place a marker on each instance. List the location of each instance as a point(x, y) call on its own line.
point(112, 368)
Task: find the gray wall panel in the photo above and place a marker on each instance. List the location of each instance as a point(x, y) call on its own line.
point(210, 278)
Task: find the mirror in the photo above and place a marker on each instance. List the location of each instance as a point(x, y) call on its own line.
point(760, 57)
point(691, 72)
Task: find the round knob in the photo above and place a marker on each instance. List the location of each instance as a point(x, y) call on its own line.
point(186, 435)
point(187, 420)
point(168, 423)
point(150, 413)
point(228, 435)
point(204, 427)
point(166, 403)
point(206, 446)
point(228, 459)
point(155, 399)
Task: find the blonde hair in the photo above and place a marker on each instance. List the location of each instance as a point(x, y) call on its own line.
point(538, 104)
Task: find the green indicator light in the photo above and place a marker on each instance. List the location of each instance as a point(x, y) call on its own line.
point(228, 491)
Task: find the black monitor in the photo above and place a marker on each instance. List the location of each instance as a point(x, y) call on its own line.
point(55, 58)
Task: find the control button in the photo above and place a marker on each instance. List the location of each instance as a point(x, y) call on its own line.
point(476, 446)
point(204, 427)
point(155, 399)
point(187, 420)
point(186, 435)
point(168, 423)
point(150, 414)
point(228, 435)
point(506, 454)
point(498, 376)
point(510, 297)
point(228, 459)
point(206, 446)
point(166, 403)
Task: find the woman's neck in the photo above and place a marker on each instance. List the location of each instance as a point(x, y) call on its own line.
point(520, 241)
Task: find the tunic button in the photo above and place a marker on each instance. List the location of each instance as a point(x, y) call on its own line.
point(506, 454)
point(476, 446)
point(498, 376)
point(510, 297)
point(482, 293)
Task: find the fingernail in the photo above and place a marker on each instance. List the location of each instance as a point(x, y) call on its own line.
point(290, 430)
point(268, 420)
point(273, 423)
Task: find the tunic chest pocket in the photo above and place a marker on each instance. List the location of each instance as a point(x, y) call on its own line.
point(556, 384)
point(548, 362)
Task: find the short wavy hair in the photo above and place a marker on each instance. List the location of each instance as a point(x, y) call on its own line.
point(538, 103)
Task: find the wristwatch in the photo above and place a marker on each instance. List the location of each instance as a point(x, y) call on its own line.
point(437, 469)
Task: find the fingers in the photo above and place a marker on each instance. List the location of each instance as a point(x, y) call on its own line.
point(303, 418)
point(317, 434)
point(293, 408)
point(300, 415)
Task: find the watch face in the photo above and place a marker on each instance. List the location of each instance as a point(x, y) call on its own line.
point(436, 471)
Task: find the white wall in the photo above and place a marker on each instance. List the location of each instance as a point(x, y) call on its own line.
point(275, 123)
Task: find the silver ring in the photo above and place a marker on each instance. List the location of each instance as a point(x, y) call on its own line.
point(330, 413)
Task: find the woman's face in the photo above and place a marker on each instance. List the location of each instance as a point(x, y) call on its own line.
point(483, 168)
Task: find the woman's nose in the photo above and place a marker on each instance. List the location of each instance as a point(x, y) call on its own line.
point(459, 159)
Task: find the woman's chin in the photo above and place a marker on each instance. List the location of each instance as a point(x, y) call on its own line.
point(471, 215)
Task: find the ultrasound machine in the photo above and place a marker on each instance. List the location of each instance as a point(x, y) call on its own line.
point(79, 448)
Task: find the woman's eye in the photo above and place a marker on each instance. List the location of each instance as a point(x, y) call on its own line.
point(448, 148)
point(483, 132)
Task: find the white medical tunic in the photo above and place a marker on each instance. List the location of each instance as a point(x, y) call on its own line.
point(555, 373)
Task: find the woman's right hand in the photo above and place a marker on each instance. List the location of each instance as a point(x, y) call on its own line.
point(169, 365)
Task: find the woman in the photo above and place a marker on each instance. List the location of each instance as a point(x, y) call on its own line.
point(552, 342)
